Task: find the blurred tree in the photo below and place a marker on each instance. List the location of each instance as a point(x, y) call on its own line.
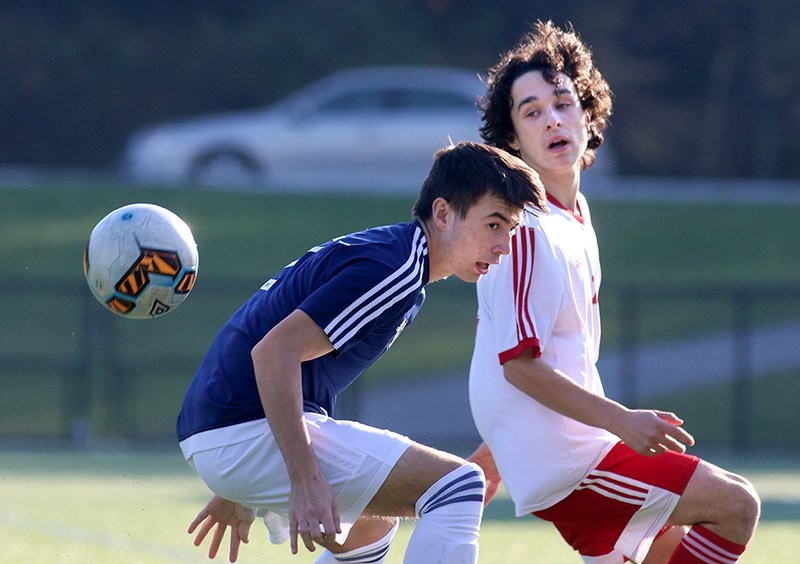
point(702, 88)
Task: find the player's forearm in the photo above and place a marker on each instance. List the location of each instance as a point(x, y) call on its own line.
point(277, 361)
point(557, 391)
point(279, 382)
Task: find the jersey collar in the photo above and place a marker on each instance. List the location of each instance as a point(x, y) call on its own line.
point(578, 216)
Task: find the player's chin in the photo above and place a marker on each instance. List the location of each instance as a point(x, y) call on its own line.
point(472, 276)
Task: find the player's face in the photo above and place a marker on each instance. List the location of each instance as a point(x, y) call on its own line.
point(478, 240)
point(549, 123)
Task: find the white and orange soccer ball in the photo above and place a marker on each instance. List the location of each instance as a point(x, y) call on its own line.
point(141, 261)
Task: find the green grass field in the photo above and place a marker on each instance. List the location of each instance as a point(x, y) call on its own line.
point(246, 237)
point(125, 507)
point(99, 507)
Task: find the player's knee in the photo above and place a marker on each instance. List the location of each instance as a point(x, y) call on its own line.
point(728, 503)
point(747, 505)
point(457, 492)
point(740, 506)
point(449, 519)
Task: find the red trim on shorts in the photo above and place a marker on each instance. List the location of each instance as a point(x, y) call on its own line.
point(590, 521)
point(670, 470)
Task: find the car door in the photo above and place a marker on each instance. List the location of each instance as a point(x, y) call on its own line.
point(420, 120)
point(341, 138)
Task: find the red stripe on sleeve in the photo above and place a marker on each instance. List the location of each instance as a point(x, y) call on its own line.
point(532, 343)
point(522, 257)
point(524, 240)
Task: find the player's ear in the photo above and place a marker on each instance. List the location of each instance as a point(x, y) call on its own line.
point(441, 213)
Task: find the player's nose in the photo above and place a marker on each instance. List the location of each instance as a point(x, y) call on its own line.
point(553, 119)
point(503, 245)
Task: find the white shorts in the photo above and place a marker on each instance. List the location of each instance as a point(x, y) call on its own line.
point(355, 459)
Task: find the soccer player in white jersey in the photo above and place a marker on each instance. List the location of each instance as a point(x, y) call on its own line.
point(611, 479)
point(257, 420)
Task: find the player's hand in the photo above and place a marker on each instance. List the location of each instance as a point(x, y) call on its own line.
point(652, 432)
point(222, 513)
point(483, 458)
point(313, 513)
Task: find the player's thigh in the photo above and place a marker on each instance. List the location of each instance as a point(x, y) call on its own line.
point(714, 495)
point(414, 473)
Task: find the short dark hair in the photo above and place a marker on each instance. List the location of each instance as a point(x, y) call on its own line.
point(462, 173)
point(550, 50)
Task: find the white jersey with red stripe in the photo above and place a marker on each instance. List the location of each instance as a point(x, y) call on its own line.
point(543, 298)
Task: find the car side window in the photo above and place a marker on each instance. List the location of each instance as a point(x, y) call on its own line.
point(361, 101)
point(415, 100)
point(393, 100)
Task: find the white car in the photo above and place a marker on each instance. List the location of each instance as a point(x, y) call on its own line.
point(372, 127)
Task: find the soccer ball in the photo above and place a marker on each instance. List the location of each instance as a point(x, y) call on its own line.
point(141, 261)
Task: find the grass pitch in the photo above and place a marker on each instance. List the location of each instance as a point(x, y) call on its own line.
point(124, 507)
point(51, 326)
point(93, 507)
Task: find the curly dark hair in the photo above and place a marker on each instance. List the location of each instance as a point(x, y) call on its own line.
point(551, 50)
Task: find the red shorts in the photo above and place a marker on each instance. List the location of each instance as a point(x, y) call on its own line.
point(623, 503)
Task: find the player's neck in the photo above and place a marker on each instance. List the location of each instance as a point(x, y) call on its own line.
point(434, 254)
point(563, 186)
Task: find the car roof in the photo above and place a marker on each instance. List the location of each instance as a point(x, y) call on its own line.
point(437, 78)
point(404, 74)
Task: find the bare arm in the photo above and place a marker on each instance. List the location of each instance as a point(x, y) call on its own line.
point(648, 432)
point(276, 359)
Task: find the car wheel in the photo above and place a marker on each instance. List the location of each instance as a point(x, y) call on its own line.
point(226, 167)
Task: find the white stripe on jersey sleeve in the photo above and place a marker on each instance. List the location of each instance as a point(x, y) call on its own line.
point(385, 305)
point(344, 325)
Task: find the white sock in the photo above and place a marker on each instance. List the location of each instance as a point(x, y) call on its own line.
point(614, 557)
point(449, 519)
point(373, 553)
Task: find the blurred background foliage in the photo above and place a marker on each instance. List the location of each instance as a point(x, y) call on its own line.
point(706, 88)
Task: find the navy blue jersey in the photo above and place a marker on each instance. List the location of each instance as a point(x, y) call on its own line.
point(362, 289)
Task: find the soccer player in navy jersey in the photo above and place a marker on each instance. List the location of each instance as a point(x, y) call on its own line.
point(257, 421)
